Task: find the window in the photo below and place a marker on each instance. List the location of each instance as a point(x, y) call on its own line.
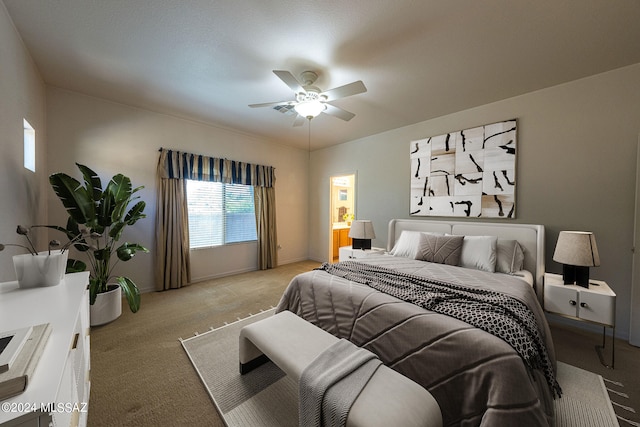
point(29, 146)
point(220, 213)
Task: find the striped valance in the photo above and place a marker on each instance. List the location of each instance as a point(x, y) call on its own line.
point(178, 165)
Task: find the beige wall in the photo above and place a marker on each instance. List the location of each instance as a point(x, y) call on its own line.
point(576, 169)
point(114, 138)
point(22, 96)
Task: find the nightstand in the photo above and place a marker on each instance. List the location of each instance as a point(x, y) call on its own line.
point(596, 304)
point(347, 253)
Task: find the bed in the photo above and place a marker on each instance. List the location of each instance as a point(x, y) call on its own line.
point(462, 357)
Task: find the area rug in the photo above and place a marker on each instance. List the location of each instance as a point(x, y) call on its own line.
point(263, 397)
point(267, 397)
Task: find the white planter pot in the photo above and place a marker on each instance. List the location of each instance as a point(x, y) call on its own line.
point(107, 308)
point(44, 269)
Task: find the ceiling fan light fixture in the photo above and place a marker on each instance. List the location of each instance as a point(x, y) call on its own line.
point(310, 109)
point(310, 101)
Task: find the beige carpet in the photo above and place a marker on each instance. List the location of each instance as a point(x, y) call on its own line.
point(141, 376)
point(265, 397)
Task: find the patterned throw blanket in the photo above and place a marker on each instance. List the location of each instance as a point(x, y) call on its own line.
point(493, 312)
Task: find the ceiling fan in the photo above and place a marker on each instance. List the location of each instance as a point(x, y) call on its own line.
point(310, 100)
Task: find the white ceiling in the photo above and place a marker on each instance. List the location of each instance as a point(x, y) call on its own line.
point(208, 59)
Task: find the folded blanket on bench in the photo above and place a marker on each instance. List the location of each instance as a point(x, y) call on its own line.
point(332, 382)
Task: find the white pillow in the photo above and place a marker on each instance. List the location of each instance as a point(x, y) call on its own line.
point(479, 252)
point(408, 244)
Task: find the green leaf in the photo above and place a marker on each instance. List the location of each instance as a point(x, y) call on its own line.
point(75, 266)
point(120, 187)
point(98, 228)
point(127, 250)
point(102, 254)
point(116, 231)
point(92, 182)
point(71, 231)
point(94, 289)
point(74, 197)
point(135, 213)
point(62, 229)
point(105, 209)
point(131, 292)
point(72, 226)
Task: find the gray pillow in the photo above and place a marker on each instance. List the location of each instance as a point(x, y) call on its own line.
point(440, 249)
point(407, 245)
point(510, 256)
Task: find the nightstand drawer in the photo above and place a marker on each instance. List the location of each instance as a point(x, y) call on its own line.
point(597, 308)
point(561, 300)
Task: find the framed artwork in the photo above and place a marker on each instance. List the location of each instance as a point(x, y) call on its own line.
point(468, 173)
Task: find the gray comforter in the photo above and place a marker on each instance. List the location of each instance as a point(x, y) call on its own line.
point(477, 378)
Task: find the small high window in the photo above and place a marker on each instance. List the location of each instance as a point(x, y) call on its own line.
point(29, 146)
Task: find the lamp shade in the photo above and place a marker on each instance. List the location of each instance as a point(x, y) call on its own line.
point(577, 248)
point(362, 229)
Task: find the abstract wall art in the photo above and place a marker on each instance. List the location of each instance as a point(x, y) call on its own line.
point(468, 173)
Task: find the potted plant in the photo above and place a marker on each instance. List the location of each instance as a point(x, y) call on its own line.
point(37, 269)
point(100, 216)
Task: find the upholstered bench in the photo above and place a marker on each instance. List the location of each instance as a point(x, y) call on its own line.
point(292, 343)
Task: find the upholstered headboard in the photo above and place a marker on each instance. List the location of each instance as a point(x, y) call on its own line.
point(530, 237)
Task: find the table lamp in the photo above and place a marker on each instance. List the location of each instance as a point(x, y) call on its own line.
point(577, 251)
point(361, 232)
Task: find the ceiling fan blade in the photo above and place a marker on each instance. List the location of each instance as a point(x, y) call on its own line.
point(286, 109)
point(299, 121)
point(271, 104)
point(338, 112)
point(289, 80)
point(344, 91)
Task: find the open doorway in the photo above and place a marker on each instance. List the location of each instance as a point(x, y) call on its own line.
point(342, 205)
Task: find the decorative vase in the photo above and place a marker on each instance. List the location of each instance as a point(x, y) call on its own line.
point(43, 269)
point(107, 307)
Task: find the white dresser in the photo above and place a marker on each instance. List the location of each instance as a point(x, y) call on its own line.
point(58, 392)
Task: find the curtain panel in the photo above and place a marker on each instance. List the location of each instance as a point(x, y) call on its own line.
point(173, 269)
point(172, 256)
point(265, 202)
